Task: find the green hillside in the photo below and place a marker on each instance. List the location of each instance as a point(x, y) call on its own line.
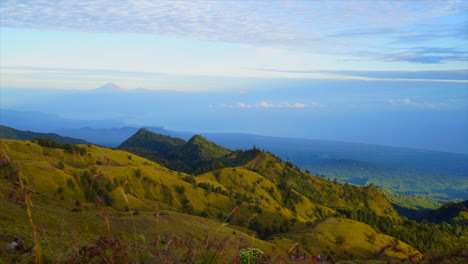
point(175, 153)
point(408, 188)
point(199, 150)
point(77, 196)
point(11, 133)
point(159, 144)
point(347, 238)
point(449, 213)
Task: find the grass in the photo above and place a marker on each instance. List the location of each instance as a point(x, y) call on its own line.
point(148, 219)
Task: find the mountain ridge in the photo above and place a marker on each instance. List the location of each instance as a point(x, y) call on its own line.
point(174, 152)
point(270, 197)
point(11, 133)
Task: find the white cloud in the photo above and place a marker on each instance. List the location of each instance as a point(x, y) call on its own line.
point(409, 102)
point(242, 105)
point(264, 104)
point(302, 23)
point(400, 101)
point(296, 105)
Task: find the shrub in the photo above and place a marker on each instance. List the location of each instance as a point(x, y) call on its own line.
point(250, 256)
point(70, 183)
point(340, 240)
point(180, 189)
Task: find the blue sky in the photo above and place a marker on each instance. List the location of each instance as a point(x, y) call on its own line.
point(267, 39)
point(402, 63)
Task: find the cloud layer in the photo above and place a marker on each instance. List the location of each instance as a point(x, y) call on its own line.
point(302, 23)
point(265, 104)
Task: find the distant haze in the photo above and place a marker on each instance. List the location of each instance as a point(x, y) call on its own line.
point(382, 72)
point(413, 115)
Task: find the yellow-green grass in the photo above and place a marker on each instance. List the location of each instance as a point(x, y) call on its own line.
point(67, 231)
point(141, 185)
point(272, 168)
point(358, 240)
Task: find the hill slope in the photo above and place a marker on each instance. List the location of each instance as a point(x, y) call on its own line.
point(103, 189)
point(11, 133)
point(174, 153)
point(159, 144)
point(198, 152)
point(449, 213)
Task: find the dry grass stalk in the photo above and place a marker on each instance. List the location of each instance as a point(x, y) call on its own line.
point(27, 199)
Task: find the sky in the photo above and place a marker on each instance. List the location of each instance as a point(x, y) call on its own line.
point(403, 63)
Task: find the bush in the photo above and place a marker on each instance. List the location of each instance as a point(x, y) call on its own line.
point(70, 183)
point(250, 256)
point(180, 189)
point(340, 240)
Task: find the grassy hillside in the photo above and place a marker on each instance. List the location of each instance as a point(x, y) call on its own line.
point(79, 196)
point(194, 155)
point(159, 144)
point(11, 133)
point(198, 152)
point(293, 183)
point(346, 239)
point(408, 172)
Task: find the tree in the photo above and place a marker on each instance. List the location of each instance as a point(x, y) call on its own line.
point(340, 240)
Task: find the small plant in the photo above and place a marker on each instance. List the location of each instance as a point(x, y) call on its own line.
point(250, 256)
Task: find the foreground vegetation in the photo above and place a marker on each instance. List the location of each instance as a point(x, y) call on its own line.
point(97, 205)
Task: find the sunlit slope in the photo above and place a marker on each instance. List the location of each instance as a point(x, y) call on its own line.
point(292, 182)
point(350, 239)
point(11, 133)
point(77, 191)
point(264, 186)
point(67, 231)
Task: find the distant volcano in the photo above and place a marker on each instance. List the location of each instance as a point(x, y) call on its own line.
point(109, 87)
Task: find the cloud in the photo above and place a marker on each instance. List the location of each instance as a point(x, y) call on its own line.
point(409, 102)
point(416, 33)
point(427, 55)
point(437, 76)
point(298, 105)
point(265, 104)
point(304, 23)
point(242, 105)
point(400, 101)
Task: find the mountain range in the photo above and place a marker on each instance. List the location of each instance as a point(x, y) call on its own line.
point(100, 191)
point(411, 178)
